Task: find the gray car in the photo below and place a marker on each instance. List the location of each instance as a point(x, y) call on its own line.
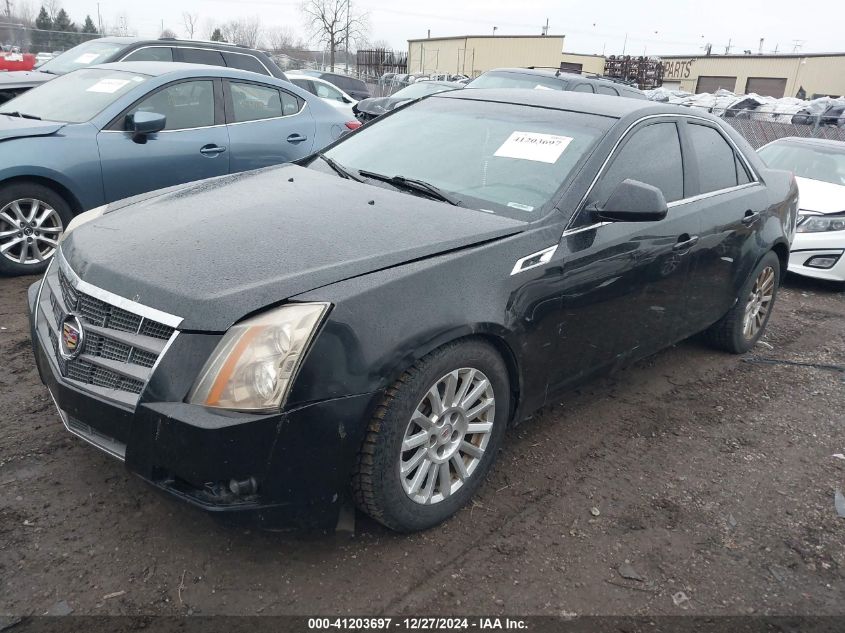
point(112, 131)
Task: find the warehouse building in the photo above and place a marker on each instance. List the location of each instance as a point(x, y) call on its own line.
point(817, 74)
point(472, 55)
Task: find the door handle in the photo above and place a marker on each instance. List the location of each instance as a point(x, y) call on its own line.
point(685, 242)
point(750, 217)
point(296, 138)
point(212, 150)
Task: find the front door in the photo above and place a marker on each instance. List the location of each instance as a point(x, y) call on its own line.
point(193, 146)
point(267, 125)
point(623, 283)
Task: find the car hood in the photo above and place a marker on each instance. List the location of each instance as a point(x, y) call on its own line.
point(18, 127)
point(23, 79)
point(378, 105)
point(819, 196)
point(217, 250)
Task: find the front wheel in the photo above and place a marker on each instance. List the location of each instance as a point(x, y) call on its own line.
point(740, 329)
point(32, 218)
point(433, 437)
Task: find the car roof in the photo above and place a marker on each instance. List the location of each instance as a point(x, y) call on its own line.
point(603, 105)
point(166, 41)
point(178, 69)
point(559, 74)
point(818, 142)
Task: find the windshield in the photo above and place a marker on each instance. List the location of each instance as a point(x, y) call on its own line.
point(807, 161)
point(81, 56)
point(502, 158)
point(75, 97)
point(516, 80)
point(414, 91)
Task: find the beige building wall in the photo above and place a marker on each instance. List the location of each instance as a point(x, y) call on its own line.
point(817, 75)
point(591, 64)
point(473, 55)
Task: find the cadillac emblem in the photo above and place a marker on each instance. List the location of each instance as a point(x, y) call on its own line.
point(71, 337)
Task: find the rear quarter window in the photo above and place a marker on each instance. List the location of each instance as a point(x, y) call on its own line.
point(244, 62)
point(201, 56)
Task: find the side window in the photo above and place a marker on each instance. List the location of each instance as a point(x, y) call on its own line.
point(291, 104)
point(607, 90)
point(201, 56)
point(583, 88)
point(327, 92)
point(663, 169)
point(742, 177)
point(188, 104)
point(716, 158)
point(244, 62)
point(150, 54)
point(251, 102)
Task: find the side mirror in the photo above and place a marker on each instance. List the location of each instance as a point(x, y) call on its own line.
point(346, 99)
point(634, 201)
point(143, 123)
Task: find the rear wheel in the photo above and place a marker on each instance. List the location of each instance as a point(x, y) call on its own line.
point(434, 437)
point(740, 329)
point(32, 218)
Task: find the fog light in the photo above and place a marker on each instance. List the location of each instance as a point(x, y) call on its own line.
point(822, 261)
point(243, 488)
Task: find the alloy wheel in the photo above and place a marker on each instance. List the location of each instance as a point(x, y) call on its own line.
point(447, 436)
point(29, 231)
point(759, 303)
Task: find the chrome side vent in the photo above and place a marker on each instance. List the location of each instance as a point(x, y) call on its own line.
point(534, 259)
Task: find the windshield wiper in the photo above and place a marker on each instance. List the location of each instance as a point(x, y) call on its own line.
point(416, 185)
point(22, 115)
point(340, 170)
point(45, 70)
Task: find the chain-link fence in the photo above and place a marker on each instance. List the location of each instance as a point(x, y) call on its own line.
point(759, 131)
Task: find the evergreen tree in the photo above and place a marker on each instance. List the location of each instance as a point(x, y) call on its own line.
point(41, 40)
point(66, 30)
point(89, 27)
point(217, 36)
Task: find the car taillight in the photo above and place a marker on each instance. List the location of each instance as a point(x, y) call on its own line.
point(353, 125)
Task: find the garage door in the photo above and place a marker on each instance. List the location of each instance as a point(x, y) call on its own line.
point(766, 86)
point(712, 84)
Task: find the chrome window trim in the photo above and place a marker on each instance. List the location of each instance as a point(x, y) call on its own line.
point(670, 118)
point(711, 194)
point(581, 229)
point(183, 129)
point(116, 300)
point(545, 256)
point(201, 48)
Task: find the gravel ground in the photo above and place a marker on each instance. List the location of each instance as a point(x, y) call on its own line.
point(694, 483)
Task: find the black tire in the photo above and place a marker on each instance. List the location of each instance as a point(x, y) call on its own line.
point(728, 333)
point(29, 191)
point(377, 483)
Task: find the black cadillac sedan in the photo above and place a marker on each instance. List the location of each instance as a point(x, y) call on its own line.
point(365, 324)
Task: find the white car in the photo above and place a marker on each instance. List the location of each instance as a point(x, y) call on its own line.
point(328, 92)
point(819, 167)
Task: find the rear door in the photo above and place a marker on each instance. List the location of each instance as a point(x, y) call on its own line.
point(267, 125)
point(624, 282)
point(193, 145)
point(731, 203)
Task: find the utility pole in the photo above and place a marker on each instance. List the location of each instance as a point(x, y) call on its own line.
point(625, 44)
point(347, 35)
point(100, 19)
point(546, 28)
point(728, 47)
point(8, 8)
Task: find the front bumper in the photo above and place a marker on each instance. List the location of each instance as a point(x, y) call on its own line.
point(806, 246)
point(301, 459)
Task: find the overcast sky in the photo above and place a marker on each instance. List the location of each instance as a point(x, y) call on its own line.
point(660, 27)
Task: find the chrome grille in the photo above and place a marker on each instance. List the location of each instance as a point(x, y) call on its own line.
point(121, 346)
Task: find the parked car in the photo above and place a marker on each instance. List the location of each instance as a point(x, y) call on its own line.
point(355, 88)
point(544, 79)
point(330, 93)
point(111, 131)
point(373, 317)
point(819, 167)
point(375, 107)
point(132, 49)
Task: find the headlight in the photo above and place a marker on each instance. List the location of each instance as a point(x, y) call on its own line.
point(254, 365)
point(81, 219)
point(820, 223)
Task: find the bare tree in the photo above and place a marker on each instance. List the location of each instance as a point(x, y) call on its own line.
point(53, 7)
point(191, 21)
point(243, 31)
point(169, 34)
point(282, 39)
point(331, 25)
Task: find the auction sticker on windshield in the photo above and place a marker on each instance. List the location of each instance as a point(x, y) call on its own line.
point(87, 58)
point(544, 148)
point(108, 85)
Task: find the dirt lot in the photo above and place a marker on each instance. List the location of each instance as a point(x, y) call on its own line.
point(711, 475)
